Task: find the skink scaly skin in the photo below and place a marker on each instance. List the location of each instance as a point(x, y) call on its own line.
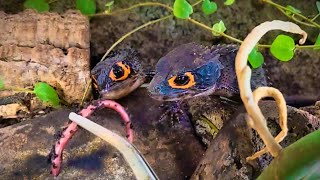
point(192, 70)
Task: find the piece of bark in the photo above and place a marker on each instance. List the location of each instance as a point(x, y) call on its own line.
point(314, 110)
point(45, 47)
point(226, 156)
point(24, 66)
point(28, 29)
point(11, 110)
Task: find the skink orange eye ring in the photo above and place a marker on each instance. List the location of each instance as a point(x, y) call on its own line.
point(119, 72)
point(183, 81)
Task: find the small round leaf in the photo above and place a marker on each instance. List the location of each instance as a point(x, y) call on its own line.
point(182, 9)
point(109, 4)
point(46, 94)
point(292, 10)
point(86, 7)
point(283, 48)
point(39, 5)
point(218, 28)
point(317, 42)
point(255, 58)
point(209, 7)
point(318, 6)
point(229, 2)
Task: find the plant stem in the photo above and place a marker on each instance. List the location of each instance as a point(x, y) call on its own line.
point(9, 88)
point(301, 22)
point(295, 19)
point(196, 3)
point(307, 46)
point(281, 8)
point(210, 29)
point(297, 14)
point(314, 18)
point(86, 92)
point(132, 7)
point(131, 32)
point(231, 38)
point(240, 41)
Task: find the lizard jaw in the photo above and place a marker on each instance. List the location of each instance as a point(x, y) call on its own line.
point(171, 98)
point(123, 89)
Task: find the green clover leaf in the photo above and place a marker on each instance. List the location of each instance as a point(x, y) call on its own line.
point(86, 7)
point(292, 9)
point(46, 94)
point(317, 42)
point(209, 7)
point(255, 58)
point(283, 48)
point(218, 28)
point(39, 5)
point(229, 2)
point(109, 6)
point(182, 9)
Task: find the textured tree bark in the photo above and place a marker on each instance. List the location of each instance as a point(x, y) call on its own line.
point(46, 47)
point(226, 156)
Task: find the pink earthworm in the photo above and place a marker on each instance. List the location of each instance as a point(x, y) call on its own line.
point(63, 137)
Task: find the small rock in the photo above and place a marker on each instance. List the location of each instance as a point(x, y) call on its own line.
point(41, 112)
point(11, 110)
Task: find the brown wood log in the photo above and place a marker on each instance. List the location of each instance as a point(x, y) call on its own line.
point(45, 47)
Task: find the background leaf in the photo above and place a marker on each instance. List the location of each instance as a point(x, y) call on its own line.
point(300, 160)
point(47, 94)
point(282, 48)
point(317, 42)
point(318, 6)
point(229, 2)
point(1, 84)
point(209, 7)
point(255, 58)
point(39, 5)
point(293, 9)
point(109, 4)
point(182, 9)
point(218, 28)
point(86, 7)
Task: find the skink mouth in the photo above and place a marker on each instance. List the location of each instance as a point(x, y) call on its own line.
point(122, 89)
point(173, 97)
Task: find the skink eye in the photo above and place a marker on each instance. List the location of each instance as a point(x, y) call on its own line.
point(182, 81)
point(119, 72)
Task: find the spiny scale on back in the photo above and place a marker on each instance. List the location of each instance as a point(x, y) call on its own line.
point(192, 70)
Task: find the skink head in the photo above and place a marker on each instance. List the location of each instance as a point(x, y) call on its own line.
point(187, 71)
point(118, 75)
